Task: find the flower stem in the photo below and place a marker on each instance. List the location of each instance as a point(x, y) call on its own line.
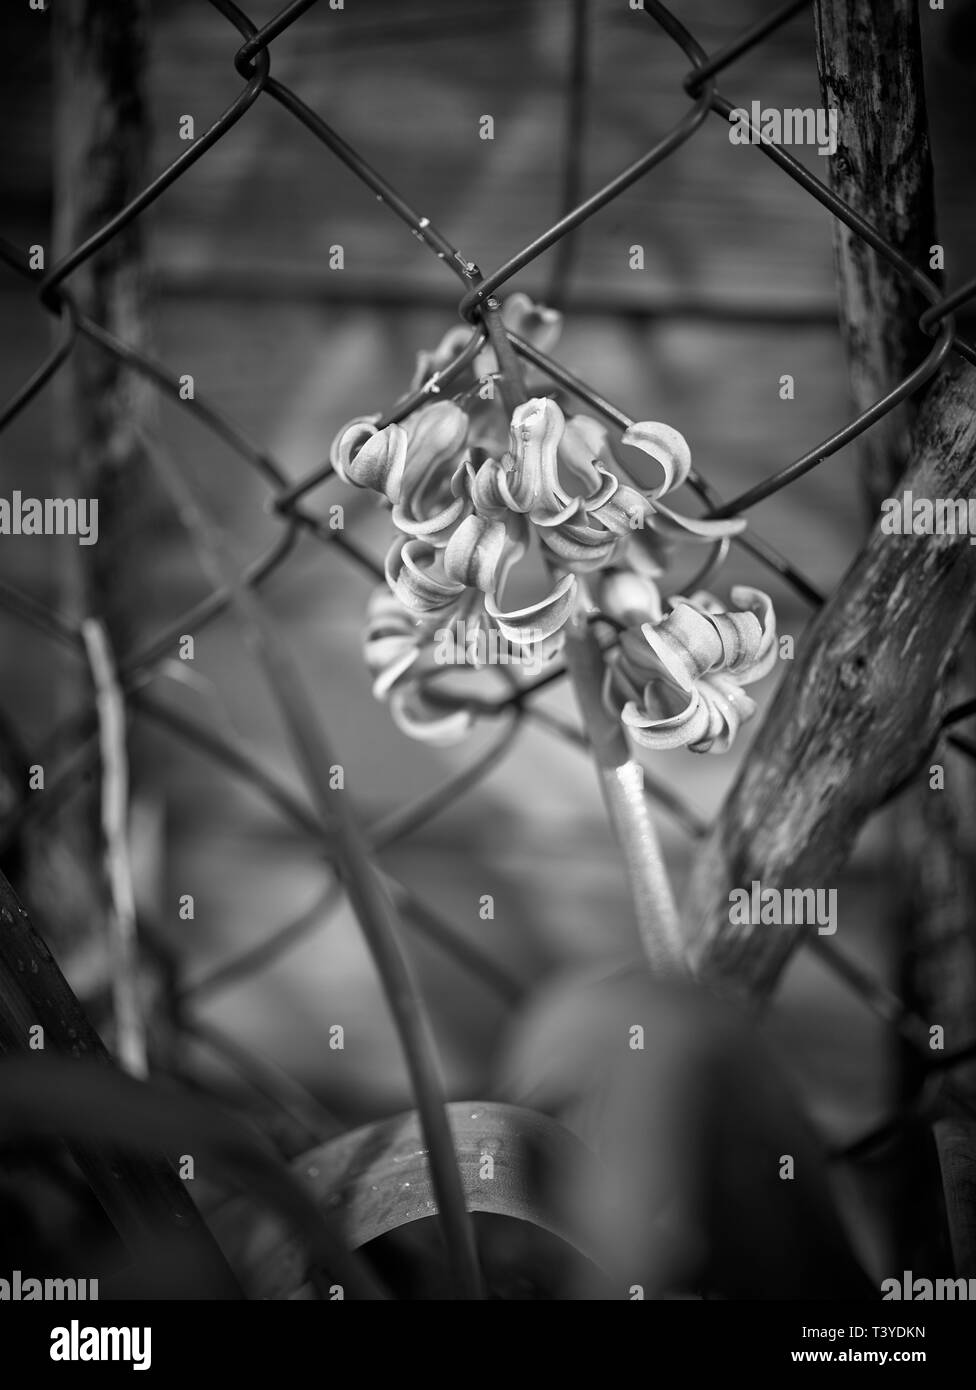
point(511, 383)
point(622, 785)
point(621, 776)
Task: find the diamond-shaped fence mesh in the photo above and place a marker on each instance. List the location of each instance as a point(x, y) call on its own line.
point(250, 53)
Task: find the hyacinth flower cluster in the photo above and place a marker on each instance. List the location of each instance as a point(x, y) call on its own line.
point(474, 491)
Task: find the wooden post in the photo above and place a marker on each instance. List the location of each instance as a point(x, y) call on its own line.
point(852, 718)
point(100, 144)
point(863, 703)
point(868, 53)
point(955, 1140)
point(870, 61)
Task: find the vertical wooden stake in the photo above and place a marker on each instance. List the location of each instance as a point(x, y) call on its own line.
point(100, 142)
point(871, 71)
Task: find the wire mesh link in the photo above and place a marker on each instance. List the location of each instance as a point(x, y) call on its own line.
point(252, 61)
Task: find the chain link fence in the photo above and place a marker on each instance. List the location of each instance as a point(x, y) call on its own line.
point(478, 305)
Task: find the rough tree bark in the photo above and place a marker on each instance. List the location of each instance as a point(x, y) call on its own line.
point(883, 168)
point(101, 140)
point(956, 1141)
point(862, 702)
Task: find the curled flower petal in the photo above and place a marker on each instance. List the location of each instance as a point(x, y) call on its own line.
point(388, 660)
point(375, 461)
point(676, 731)
point(462, 640)
point(621, 510)
point(585, 443)
point(420, 718)
point(637, 657)
point(675, 524)
point(729, 706)
point(536, 322)
point(748, 638)
point(487, 496)
point(415, 576)
point(526, 626)
point(585, 548)
point(435, 434)
point(440, 522)
point(353, 434)
point(532, 478)
point(740, 636)
point(435, 529)
point(606, 487)
point(449, 347)
point(584, 446)
point(686, 643)
point(678, 680)
point(765, 658)
point(476, 554)
point(554, 512)
point(392, 642)
point(708, 723)
point(666, 446)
